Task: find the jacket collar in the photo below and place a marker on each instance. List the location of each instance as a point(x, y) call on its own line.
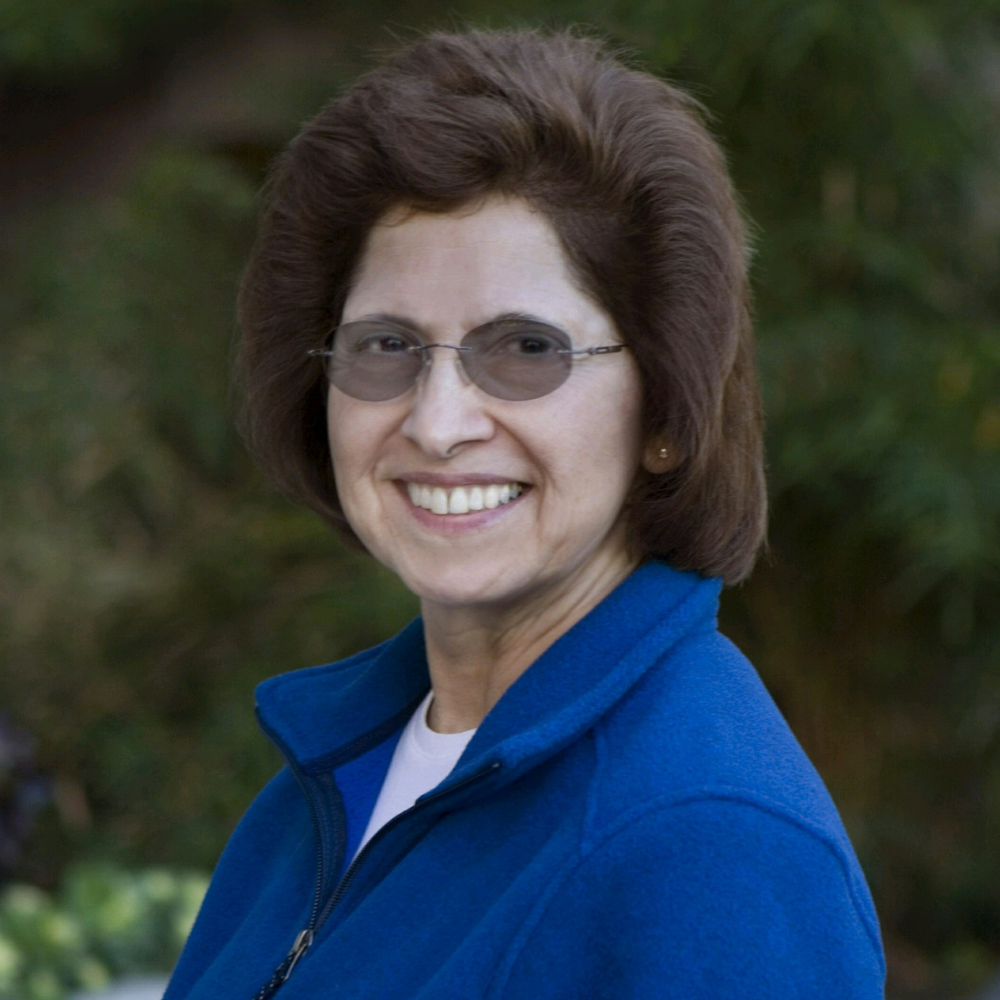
point(322, 717)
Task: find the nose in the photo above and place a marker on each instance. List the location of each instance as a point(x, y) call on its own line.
point(447, 410)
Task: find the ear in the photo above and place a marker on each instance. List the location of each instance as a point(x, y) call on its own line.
point(658, 457)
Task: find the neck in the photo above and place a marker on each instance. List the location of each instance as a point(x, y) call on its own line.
point(475, 653)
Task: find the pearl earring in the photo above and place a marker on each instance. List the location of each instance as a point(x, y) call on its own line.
point(664, 453)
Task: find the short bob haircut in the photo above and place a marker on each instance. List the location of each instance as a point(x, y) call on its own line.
point(637, 190)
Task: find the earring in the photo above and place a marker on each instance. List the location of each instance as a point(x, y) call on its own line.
point(657, 460)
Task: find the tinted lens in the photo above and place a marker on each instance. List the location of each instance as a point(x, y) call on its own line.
point(373, 361)
point(517, 360)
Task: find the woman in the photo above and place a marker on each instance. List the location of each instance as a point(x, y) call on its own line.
point(538, 406)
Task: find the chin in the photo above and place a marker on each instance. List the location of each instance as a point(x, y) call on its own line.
point(463, 585)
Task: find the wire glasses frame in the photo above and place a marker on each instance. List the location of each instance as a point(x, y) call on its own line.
point(512, 358)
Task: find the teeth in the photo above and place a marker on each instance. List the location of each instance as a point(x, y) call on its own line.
point(462, 499)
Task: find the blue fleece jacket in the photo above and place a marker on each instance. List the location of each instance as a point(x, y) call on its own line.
point(633, 819)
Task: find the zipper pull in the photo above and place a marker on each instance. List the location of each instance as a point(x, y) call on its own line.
point(283, 971)
point(300, 947)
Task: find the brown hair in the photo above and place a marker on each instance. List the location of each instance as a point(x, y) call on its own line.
point(637, 190)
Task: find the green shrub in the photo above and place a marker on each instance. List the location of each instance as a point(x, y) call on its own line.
point(103, 924)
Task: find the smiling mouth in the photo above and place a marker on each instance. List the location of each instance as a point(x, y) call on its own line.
point(462, 499)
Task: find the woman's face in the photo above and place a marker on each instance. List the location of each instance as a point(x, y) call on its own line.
point(570, 455)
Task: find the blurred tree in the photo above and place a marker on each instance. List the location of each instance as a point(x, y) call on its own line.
point(147, 578)
point(147, 581)
point(61, 42)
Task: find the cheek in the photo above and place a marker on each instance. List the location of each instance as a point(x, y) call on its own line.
point(362, 437)
point(618, 434)
point(338, 454)
point(614, 426)
point(349, 444)
point(593, 450)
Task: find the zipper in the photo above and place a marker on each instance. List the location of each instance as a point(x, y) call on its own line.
point(283, 971)
point(317, 917)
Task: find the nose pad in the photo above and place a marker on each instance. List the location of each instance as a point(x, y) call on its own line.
point(444, 414)
point(459, 361)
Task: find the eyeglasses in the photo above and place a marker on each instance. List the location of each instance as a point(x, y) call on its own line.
point(511, 358)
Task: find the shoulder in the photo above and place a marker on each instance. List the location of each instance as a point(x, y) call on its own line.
point(702, 898)
point(701, 723)
point(734, 856)
point(705, 808)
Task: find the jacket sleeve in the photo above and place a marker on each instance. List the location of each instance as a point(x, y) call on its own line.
point(708, 900)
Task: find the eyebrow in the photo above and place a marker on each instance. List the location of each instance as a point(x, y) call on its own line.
point(501, 318)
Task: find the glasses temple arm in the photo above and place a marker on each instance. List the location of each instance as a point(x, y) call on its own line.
point(606, 349)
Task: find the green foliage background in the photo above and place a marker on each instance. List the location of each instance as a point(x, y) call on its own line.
point(148, 578)
point(104, 925)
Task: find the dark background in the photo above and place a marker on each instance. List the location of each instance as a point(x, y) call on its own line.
point(148, 577)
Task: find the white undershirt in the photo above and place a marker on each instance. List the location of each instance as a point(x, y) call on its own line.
point(421, 761)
